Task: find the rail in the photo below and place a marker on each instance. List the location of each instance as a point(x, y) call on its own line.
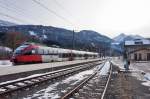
point(28, 82)
point(76, 89)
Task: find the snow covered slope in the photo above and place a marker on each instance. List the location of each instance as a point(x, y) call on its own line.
point(6, 23)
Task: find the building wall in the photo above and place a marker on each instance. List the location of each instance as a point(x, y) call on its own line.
point(138, 47)
point(143, 55)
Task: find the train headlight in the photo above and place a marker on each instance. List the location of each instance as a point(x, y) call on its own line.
point(33, 51)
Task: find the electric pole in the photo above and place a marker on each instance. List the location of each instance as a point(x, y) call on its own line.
point(73, 40)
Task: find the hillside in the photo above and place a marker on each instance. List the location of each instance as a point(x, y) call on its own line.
point(6, 23)
point(118, 41)
point(49, 35)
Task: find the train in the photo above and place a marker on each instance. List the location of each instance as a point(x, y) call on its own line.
point(35, 53)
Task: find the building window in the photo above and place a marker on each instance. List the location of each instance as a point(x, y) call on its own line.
point(135, 57)
point(138, 43)
point(148, 56)
point(140, 57)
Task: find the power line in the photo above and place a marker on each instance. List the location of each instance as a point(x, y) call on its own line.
point(18, 12)
point(63, 8)
point(9, 16)
point(59, 5)
point(51, 11)
point(19, 9)
point(68, 12)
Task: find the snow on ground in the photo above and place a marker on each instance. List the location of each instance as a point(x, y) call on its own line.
point(118, 61)
point(72, 80)
point(77, 78)
point(147, 76)
point(105, 69)
point(143, 72)
point(53, 90)
point(146, 79)
point(5, 63)
point(137, 68)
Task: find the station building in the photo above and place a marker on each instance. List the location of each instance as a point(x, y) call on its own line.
point(138, 49)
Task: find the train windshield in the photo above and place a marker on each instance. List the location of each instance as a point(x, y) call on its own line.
point(19, 49)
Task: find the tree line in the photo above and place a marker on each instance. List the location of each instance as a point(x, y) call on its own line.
point(12, 40)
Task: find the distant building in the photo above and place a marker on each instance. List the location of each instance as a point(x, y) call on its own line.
point(138, 49)
point(5, 52)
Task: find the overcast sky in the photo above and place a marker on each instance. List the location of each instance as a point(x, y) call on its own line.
point(108, 17)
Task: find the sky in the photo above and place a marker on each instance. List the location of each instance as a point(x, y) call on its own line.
point(108, 17)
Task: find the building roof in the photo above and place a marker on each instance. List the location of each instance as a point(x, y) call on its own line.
point(137, 42)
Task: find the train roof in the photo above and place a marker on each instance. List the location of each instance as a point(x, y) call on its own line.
point(61, 50)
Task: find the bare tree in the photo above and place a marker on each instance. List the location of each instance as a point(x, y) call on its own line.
point(14, 39)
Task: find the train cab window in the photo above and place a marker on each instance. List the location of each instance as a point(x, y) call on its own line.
point(33, 52)
point(28, 52)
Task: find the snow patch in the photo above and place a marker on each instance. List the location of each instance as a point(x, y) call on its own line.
point(45, 36)
point(1, 89)
point(147, 76)
point(32, 33)
point(146, 79)
point(147, 83)
point(3, 48)
point(5, 63)
point(77, 77)
point(105, 69)
point(48, 92)
point(11, 86)
point(49, 89)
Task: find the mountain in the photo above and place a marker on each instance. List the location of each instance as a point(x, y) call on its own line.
point(83, 40)
point(119, 38)
point(6, 23)
point(118, 42)
point(122, 37)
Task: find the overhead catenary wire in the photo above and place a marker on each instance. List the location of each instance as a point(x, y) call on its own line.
point(11, 17)
point(62, 7)
point(52, 12)
point(65, 10)
point(22, 11)
point(19, 12)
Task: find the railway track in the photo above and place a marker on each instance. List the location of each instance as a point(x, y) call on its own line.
point(8, 88)
point(93, 87)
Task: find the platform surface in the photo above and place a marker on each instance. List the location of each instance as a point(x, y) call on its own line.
point(33, 67)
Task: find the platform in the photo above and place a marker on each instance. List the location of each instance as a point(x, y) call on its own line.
point(14, 72)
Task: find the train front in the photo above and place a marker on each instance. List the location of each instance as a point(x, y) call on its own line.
point(25, 54)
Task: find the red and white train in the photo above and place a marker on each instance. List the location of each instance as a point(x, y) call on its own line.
point(33, 53)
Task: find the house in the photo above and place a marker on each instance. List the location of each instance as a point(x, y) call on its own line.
point(5, 52)
point(138, 49)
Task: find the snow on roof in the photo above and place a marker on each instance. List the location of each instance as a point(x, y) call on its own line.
point(5, 48)
point(137, 42)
